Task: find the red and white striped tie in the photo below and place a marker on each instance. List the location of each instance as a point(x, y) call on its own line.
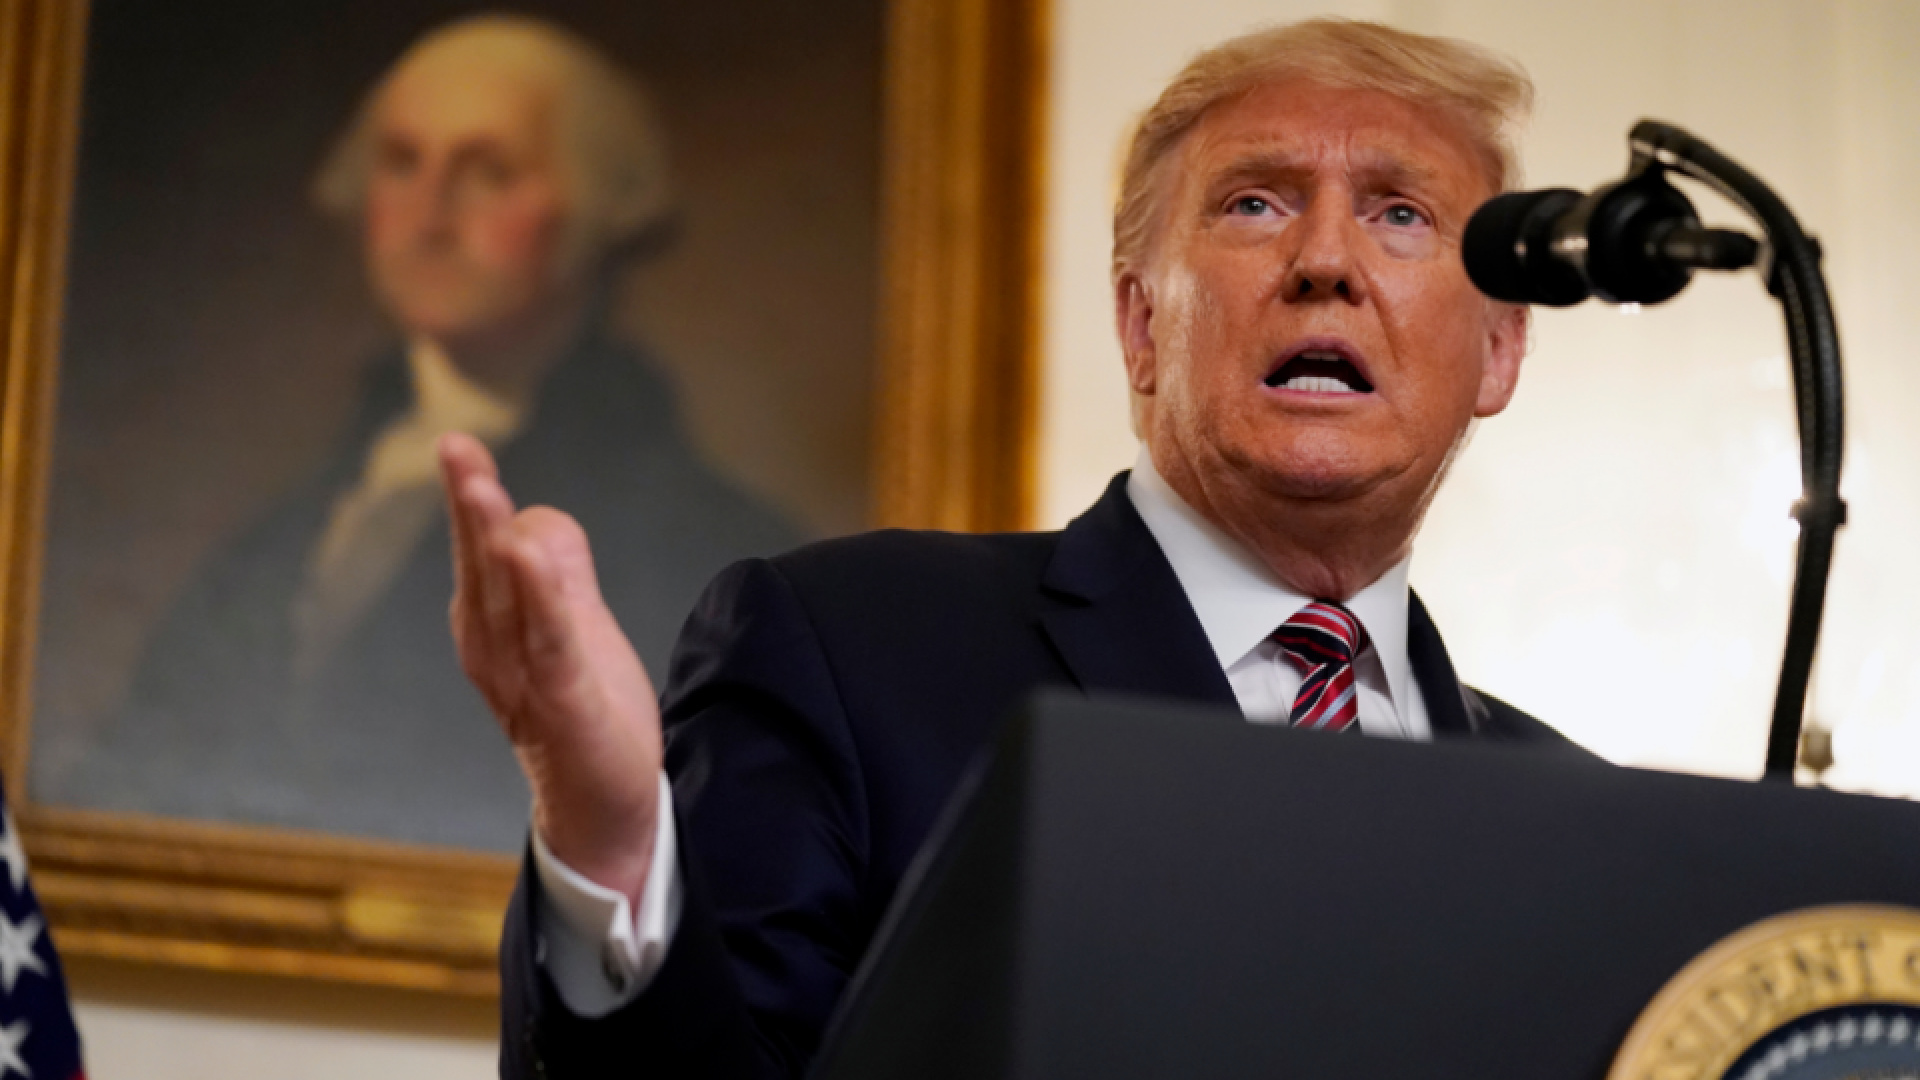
point(1321, 640)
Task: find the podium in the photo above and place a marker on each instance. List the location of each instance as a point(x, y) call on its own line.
point(1126, 890)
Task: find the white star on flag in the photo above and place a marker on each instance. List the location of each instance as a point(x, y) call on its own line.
point(16, 952)
point(11, 1037)
point(12, 853)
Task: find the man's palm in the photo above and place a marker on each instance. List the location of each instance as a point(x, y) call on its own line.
point(541, 645)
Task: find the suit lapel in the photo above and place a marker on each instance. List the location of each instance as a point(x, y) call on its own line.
point(1120, 620)
point(1122, 623)
point(1448, 709)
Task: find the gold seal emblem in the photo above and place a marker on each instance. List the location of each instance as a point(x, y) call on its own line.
point(1825, 992)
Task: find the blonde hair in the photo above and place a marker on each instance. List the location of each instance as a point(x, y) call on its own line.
point(612, 150)
point(1488, 94)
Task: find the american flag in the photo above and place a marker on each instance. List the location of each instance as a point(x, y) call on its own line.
point(37, 1037)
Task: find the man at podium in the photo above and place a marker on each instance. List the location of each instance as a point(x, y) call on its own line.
point(1305, 355)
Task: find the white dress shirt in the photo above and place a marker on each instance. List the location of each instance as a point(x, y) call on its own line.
point(1240, 603)
point(601, 952)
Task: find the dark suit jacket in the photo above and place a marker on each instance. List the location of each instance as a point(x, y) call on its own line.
point(389, 739)
point(820, 709)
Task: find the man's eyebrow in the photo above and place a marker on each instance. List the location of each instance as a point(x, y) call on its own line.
point(1377, 169)
point(1397, 171)
point(1261, 163)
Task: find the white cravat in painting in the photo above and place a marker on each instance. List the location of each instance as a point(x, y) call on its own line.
point(374, 525)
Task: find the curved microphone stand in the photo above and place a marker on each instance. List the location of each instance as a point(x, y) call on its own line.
point(1789, 262)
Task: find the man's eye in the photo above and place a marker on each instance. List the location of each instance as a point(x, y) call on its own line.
point(1405, 215)
point(396, 158)
point(1250, 205)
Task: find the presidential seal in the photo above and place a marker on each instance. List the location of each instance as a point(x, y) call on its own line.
point(1829, 993)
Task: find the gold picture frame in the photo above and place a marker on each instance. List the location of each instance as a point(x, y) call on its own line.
point(963, 98)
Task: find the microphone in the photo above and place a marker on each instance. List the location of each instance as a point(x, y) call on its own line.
point(1637, 241)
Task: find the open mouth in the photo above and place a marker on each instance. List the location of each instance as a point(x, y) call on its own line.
point(1320, 372)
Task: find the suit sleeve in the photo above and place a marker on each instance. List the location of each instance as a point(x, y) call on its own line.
point(773, 840)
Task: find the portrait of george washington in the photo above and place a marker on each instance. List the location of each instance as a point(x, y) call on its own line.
point(502, 197)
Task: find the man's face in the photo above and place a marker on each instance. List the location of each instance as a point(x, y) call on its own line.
point(465, 204)
point(1303, 323)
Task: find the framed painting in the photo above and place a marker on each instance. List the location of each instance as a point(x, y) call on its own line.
point(716, 279)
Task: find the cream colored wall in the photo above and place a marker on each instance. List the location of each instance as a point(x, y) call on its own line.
point(141, 1023)
point(167, 1044)
point(1613, 552)
point(1610, 554)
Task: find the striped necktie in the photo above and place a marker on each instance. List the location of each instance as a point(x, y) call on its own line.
point(1321, 640)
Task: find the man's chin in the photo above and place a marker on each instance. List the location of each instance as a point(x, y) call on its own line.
point(1321, 461)
point(448, 324)
point(456, 314)
point(1316, 488)
point(1304, 479)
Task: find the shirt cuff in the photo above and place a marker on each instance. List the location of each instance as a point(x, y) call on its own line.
point(601, 953)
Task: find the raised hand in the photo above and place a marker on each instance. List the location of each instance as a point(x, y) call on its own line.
point(537, 639)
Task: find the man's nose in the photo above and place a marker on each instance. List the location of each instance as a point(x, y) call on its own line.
point(434, 200)
point(1323, 265)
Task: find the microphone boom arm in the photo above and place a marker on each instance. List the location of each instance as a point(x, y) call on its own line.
point(1789, 262)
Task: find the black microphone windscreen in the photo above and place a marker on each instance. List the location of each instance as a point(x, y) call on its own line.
point(1507, 254)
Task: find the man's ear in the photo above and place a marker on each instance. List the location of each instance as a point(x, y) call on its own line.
point(1133, 318)
point(1506, 347)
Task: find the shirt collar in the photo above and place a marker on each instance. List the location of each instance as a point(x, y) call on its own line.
point(1240, 601)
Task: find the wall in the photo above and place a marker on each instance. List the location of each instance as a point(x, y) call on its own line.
point(1612, 553)
point(142, 1023)
point(1623, 525)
